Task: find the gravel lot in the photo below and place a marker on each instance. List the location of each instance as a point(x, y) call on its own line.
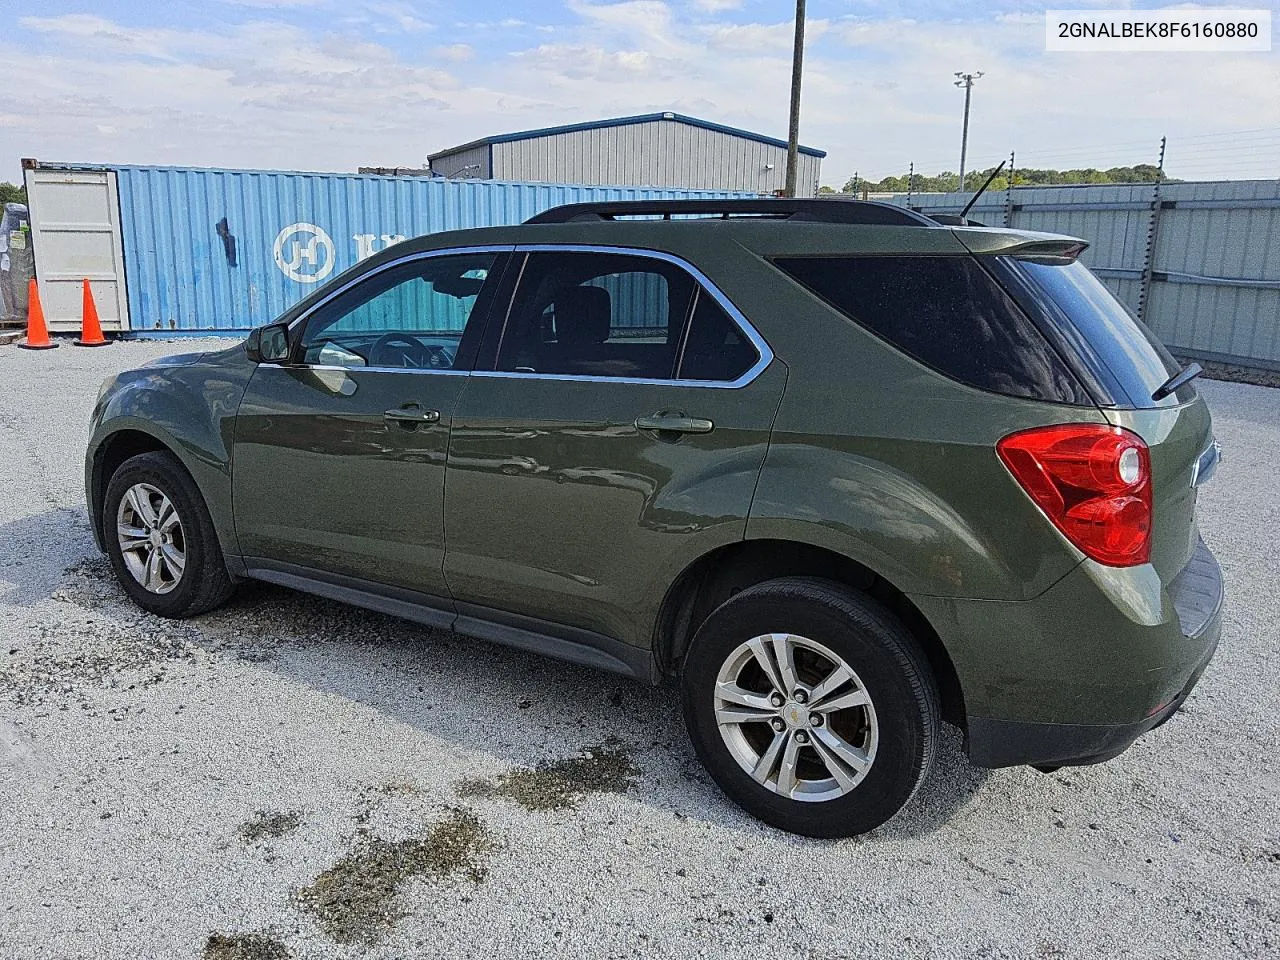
point(289, 777)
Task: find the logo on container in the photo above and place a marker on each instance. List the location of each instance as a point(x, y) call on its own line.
point(304, 243)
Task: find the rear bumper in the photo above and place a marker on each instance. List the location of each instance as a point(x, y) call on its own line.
point(1080, 673)
point(1009, 743)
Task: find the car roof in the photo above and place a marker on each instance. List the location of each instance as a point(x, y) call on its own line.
point(768, 238)
point(692, 238)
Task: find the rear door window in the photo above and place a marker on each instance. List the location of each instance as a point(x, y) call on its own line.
point(715, 348)
point(949, 314)
point(596, 314)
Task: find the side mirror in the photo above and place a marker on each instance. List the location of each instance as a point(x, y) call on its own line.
point(269, 344)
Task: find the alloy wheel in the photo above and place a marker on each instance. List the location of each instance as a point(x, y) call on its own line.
point(796, 717)
point(152, 542)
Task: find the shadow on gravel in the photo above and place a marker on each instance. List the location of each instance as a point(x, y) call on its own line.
point(536, 714)
point(947, 791)
point(548, 714)
point(35, 549)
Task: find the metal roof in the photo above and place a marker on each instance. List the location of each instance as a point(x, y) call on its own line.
point(622, 122)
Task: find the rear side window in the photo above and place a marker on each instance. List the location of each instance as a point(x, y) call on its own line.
point(1116, 348)
point(948, 313)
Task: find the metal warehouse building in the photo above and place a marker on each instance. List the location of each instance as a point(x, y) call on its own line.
point(651, 150)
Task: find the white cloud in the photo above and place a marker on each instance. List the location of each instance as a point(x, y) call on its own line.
point(778, 38)
point(273, 4)
point(877, 90)
point(716, 6)
point(456, 52)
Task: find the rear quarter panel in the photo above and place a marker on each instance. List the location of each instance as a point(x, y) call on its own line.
point(879, 458)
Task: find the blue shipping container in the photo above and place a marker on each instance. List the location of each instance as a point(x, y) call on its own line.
point(228, 250)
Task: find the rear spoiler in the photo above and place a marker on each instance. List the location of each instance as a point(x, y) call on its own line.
point(1020, 243)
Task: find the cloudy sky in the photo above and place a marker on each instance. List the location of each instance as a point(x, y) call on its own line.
point(335, 84)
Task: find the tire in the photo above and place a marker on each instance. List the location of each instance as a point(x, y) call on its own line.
point(202, 582)
point(896, 731)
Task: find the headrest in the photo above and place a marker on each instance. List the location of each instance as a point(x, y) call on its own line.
point(583, 316)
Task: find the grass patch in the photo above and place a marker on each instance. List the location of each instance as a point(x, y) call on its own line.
point(266, 823)
point(357, 899)
point(560, 784)
point(244, 946)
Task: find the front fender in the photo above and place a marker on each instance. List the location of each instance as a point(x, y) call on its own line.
point(190, 410)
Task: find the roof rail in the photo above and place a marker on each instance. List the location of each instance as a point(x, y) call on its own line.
point(808, 210)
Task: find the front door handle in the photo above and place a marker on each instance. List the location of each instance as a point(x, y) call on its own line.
point(674, 423)
point(411, 414)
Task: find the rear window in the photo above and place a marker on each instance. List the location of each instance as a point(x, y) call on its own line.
point(1116, 348)
point(948, 313)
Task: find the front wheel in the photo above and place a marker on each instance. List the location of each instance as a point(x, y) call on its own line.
point(161, 539)
point(811, 706)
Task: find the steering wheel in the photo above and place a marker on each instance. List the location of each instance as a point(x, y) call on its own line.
point(409, 351)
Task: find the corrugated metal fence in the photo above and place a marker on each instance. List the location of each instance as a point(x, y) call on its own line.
point(1199, 262)
point(227, 250)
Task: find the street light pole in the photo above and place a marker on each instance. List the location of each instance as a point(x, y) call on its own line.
point(793, 132)
point(965, 80)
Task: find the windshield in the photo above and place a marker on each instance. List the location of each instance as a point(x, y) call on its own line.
point(1118, 348)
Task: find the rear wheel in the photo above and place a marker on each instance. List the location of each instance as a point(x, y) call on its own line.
point(161, 539)
point(812, 706)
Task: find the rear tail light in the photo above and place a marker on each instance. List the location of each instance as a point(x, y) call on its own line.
point(1093, 482)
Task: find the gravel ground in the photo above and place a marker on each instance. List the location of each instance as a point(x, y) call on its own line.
point(289, 777)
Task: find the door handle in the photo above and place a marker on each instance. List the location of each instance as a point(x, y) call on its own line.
point(411, 414)
point(674, 423)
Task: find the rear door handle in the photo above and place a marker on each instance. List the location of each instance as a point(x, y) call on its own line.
point(674, 423)
point(411, 414)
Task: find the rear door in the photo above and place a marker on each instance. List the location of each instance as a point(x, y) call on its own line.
point(616, 435)
point(340, 455)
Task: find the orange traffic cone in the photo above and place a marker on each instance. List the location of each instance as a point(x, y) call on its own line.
point(37, 332)
point(90, 327)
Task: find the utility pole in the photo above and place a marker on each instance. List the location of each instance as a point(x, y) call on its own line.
point(965, 80)
point(793, 132)
point(1153, 236)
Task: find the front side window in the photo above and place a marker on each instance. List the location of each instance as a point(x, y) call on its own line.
point(948, 313)
point(410, 316)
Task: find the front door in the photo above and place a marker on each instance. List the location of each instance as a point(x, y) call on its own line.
point(340, 454)
point(616, 437)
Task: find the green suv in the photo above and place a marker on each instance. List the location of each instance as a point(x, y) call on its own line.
point(842, 470)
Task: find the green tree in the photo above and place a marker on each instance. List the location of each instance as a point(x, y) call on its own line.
point(12, 193)
point(947, 181)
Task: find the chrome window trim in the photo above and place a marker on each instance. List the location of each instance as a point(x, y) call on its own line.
point(764, 354)
point(302, 319)
point(445, 372)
